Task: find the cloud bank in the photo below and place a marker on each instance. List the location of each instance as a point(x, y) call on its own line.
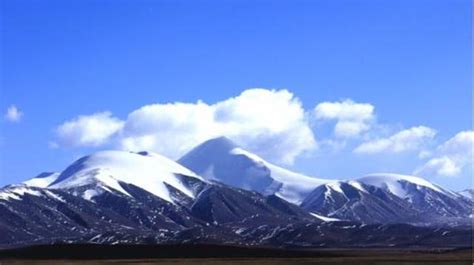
point(91, 130)
point(271, 123)
point(405, 140)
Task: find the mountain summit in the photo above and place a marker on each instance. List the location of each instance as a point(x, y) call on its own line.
point(222, 160)
point(107, 170)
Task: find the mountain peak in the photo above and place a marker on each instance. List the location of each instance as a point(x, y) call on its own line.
point(393, 181)
point(221, 143)
point(151, 172)
point(43, 180)
point(207, 151)
point(222, 160)
point(220, 139)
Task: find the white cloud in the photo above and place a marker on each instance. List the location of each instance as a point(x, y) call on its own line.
point(351, 118)
point(451, 157)
point(91, 130)
point(271, 123)
point(406, 140)
point(13, 114)
point(169, 129)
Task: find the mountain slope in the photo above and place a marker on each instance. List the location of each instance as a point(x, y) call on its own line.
point(219, 204)
point(426, 197)
point(356, 201)
point(36, 215)
point(43, 180)
point(222, 160)
point(389, 198)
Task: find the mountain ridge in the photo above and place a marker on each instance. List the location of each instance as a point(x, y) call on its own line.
point(222, 160)
point(118, 197)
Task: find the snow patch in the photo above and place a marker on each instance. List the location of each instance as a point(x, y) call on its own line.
point(336, 186)
point(357, 185)
point(54, 196)
point(325, 218)
point(42, 181)
point(16, 192)
point(89, 194)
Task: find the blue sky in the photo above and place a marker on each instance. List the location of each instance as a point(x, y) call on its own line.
point(409, 60)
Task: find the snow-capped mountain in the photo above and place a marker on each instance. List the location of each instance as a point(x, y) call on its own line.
point(376, 198)
point(423, 195)
point(222, 160)
point(388, 198)
point(222, 194)
point(355, 201)
point(142, 196)
point(106, 170)
point(219, 215)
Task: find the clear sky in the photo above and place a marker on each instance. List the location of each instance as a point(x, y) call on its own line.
point(371, 86)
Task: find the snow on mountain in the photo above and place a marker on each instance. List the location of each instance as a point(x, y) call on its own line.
point(325, 218)
point(388, 197)
point(222, 160)
point(220, 215)
point(396, 183)
point(43, 180)
point(413, 189)
point(16, 192)
point(106, 170)
point(143, 198)
point(356, 201)
point(468, 193)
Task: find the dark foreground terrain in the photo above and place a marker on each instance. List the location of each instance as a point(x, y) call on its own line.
point(207, 254)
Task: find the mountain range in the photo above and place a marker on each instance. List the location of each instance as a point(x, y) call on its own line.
point(219, 193)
